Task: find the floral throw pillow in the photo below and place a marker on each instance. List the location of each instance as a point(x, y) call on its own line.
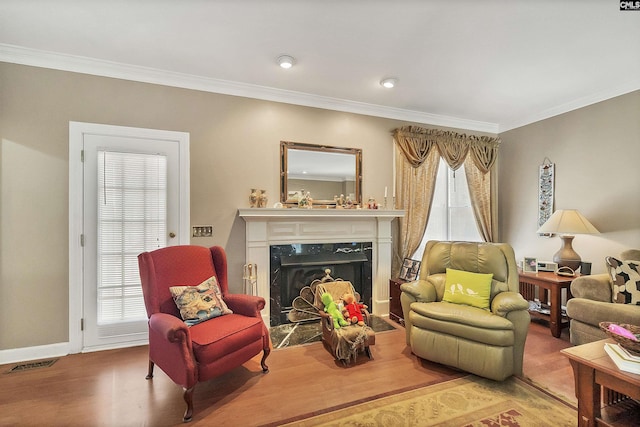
point(199, 303)
point(626, 280)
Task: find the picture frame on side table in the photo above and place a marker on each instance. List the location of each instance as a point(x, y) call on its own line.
point(530, 265)
point(410, 269)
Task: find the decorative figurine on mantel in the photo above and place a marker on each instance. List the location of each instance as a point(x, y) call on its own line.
point(258, 198)
point(343, 202)
point(305, 200)
point(349, 203)
point(372, 204)
point(263, 199)
point(253, 198)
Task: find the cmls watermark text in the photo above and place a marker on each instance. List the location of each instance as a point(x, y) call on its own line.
point(629, 5)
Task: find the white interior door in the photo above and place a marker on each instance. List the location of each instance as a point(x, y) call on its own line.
point(132, 203)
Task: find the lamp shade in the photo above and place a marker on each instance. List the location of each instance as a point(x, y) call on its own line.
point(568, 221)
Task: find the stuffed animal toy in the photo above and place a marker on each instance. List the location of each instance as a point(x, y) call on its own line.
point(331, 307)
point(354, 309)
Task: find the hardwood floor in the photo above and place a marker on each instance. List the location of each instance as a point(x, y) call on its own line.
point(543, 363)
point(108, 388)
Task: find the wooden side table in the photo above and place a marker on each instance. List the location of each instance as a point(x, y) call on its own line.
point(550, 287)
point(597, 375)
point(395, 307)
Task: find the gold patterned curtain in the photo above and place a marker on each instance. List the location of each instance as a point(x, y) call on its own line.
point(415, 188)
point(414, 143)
point(416, 170)
point(484, 152)
point(452, 149)
point(479, 184)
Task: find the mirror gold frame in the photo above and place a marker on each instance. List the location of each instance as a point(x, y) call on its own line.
point(327, 172)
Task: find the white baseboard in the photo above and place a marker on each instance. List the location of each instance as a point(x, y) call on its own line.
point(114, 346)
point(33, 353)
point(57, 350)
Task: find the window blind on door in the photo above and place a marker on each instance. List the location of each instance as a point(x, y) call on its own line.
point(132, 218)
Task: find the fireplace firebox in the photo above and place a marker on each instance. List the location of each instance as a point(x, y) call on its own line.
point(295, 266)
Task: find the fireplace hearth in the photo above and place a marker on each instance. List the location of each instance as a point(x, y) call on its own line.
point(295, 266)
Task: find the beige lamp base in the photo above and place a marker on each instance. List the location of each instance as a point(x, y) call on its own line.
point(566, 256)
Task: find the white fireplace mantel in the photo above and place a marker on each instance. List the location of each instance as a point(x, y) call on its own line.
point(267, 227)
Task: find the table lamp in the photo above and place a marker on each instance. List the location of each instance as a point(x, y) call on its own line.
point(566, 223)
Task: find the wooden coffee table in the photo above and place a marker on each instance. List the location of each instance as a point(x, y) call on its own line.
point(596, 374)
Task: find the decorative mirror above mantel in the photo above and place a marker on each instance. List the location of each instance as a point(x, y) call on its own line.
point(322, 170)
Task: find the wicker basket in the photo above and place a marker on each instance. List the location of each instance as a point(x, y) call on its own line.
point(632, 346)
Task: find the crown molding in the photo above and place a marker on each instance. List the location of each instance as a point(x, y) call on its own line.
point(97, 67)
point(603, 95)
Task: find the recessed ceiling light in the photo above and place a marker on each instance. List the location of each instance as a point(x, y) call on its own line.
point(388, 82)
point(285, 61)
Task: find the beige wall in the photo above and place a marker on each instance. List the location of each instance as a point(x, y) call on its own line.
point(235, 145)
point(596, 151)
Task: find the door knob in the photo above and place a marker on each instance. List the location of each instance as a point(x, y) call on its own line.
point(172, 234)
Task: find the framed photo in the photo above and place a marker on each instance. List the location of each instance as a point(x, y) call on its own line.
point(410, 269)
point(530, 265)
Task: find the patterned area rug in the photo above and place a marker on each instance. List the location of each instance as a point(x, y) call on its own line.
point(467, 401)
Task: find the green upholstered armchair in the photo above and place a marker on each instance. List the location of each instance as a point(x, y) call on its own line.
point(485, 342)
point(592, 303)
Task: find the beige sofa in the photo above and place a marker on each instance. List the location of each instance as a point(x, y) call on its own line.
point(488, 343)
point(592, 304)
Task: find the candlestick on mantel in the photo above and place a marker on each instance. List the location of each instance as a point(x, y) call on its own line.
point(385, 191)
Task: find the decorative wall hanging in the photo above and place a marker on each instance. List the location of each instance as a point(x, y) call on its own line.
point(545, 193)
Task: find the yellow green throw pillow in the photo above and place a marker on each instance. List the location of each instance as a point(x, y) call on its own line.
point(463, 287)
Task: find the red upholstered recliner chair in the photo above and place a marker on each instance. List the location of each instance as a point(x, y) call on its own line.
point(189, 355)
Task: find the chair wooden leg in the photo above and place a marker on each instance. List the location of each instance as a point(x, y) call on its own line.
point(188, 398)
point(263, 363)
point(367, 350)
point(150, 372)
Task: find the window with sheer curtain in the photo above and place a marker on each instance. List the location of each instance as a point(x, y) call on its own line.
point(132, 218)
point(451, 216)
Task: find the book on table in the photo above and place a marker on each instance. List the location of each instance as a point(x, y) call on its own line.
point(624, 360)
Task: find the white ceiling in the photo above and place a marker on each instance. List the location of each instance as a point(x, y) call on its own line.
point(488, 65)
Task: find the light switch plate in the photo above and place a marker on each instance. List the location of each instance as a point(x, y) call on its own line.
point(202, 231)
